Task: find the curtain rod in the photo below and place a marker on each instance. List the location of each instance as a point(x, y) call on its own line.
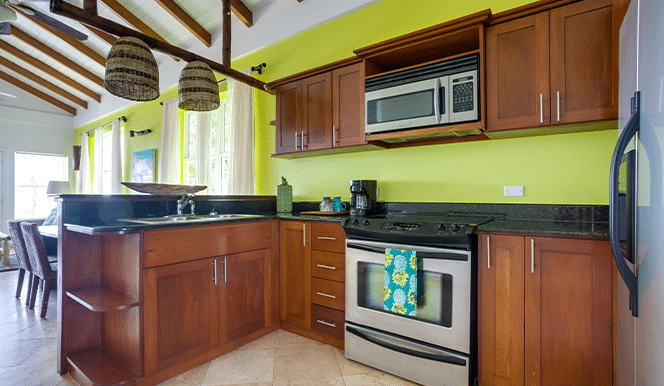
point(122, 118)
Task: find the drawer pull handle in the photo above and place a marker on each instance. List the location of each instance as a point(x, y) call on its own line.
point(325, 266)
point(326, 295)
point(333, 325)
point(326, 238)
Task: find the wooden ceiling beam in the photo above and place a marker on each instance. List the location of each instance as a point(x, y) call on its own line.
point(90, 6)
point(242, 12)
point(132, 19)
point(48, 70)
point(29, 40)
point(62, 8)
point(89, 52)
point(38, 93)
point(187, 21)
point(42, 82)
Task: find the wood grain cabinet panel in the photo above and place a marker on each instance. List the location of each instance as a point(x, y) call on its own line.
point(348, 106)
point(554, 67)
point(289, 117)
point(317, 94)
point(329, 237)
point(545, 311)
point(295, 273)
point(327, 293)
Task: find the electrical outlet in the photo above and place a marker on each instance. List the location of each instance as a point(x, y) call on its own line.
point(513, 191)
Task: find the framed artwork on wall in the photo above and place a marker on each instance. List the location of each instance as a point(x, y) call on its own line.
point(142, 166)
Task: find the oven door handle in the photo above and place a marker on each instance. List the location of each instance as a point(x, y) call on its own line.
point(421, 255)
point(419, 354)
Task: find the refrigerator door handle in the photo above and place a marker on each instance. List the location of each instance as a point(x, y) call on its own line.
point(626, 273)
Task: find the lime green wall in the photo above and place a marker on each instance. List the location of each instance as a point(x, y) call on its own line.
point(561, 169)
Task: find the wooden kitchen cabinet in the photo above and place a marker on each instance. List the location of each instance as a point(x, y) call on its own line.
point(545, 311)
point(554, 67)
point(320, 109)
point(295, 273)
point(180, 313)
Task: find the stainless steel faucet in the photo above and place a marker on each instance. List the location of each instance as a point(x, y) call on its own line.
point(186, 199)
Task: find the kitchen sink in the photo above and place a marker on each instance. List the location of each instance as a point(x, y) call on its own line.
point(188, 218)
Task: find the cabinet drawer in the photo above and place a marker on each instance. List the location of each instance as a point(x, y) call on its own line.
point(328, 293)
point(328, 237)
point(327, 265)
point(187, 243)
point(328, 321)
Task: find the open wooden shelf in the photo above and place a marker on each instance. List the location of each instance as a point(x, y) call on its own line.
point(102, 299)
point(100, 366)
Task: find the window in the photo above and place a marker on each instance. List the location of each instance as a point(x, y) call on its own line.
point(32, 172)
point(217, 150)
point(107, 158)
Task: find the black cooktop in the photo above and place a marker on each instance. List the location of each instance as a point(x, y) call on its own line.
point(440, 229)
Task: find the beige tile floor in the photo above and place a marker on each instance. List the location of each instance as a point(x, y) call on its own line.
point(28, 346)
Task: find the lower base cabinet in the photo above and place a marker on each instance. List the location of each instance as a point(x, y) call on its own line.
point(545, 311)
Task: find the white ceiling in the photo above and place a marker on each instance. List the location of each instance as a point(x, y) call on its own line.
point(273, 20)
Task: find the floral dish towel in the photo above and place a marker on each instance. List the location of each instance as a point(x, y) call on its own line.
point(400, 294)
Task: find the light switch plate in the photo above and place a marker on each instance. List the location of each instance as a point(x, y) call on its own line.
point(513, 191)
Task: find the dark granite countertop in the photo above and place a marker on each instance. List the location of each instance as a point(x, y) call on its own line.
point(550, 228)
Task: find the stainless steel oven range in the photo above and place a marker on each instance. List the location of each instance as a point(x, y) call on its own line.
point(438, 346)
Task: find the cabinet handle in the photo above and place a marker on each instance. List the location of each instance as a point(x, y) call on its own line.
point(296, 140)
point(532, 255)
point(214, 277)
point(304, 234)
point(224, 270)
point(325, 266)
point(488, 253)
point(541, 107)
point(302, 147)
point(326, 238)
point(333, 325)
point(334, 134)
point(326, 295)
point(558, 103)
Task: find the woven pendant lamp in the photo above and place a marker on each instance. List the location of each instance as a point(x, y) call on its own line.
point(198, 89)
point(131, 70)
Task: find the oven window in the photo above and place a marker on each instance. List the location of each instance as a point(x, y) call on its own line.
point(434, 303)
point(401, 107)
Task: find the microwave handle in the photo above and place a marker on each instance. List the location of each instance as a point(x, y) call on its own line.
point(436, 100)
point(422, 255)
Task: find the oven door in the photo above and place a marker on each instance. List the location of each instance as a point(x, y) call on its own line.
point(444, 305)
point(411, 105)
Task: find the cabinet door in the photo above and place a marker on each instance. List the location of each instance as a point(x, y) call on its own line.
point(501, 310)
point(517, 71)
point(348, 106)
point(317, 97)
point(295, 273)
point(584, 77)
point(242, 304)
point(569, 312)
point(180, 310)
point(289, 118)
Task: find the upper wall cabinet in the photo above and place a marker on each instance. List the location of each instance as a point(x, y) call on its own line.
point(554, 67)
point(321, 109)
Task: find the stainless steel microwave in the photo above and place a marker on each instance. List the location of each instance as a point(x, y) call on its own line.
point(432, 95)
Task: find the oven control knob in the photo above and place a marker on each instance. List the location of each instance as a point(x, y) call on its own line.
point(454, 228)
point(356, 222)
point(440, 227)
point(366, 223)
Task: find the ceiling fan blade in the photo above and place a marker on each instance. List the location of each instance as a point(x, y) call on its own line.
point(52, 22)
point(5, 28)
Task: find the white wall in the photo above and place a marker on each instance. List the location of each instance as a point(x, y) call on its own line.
point(29, 131)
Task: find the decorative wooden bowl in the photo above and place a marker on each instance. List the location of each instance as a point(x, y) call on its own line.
point(163, 189)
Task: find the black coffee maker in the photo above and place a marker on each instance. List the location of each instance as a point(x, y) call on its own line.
point(362, 197)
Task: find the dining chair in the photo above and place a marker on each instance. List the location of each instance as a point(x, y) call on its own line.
point(41, 267)
point(22, 259)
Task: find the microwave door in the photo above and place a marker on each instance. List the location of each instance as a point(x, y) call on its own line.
point(401, 107)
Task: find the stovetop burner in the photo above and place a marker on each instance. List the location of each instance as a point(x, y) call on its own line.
point(450, 229)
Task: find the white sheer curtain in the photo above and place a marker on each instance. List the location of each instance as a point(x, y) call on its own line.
point(84, 167)
point(170, 151)
point(203, 150)
point(241, 137)
point(98, 177)
point(116, 157)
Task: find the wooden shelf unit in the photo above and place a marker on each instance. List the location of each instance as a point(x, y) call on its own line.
point(100, 366)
